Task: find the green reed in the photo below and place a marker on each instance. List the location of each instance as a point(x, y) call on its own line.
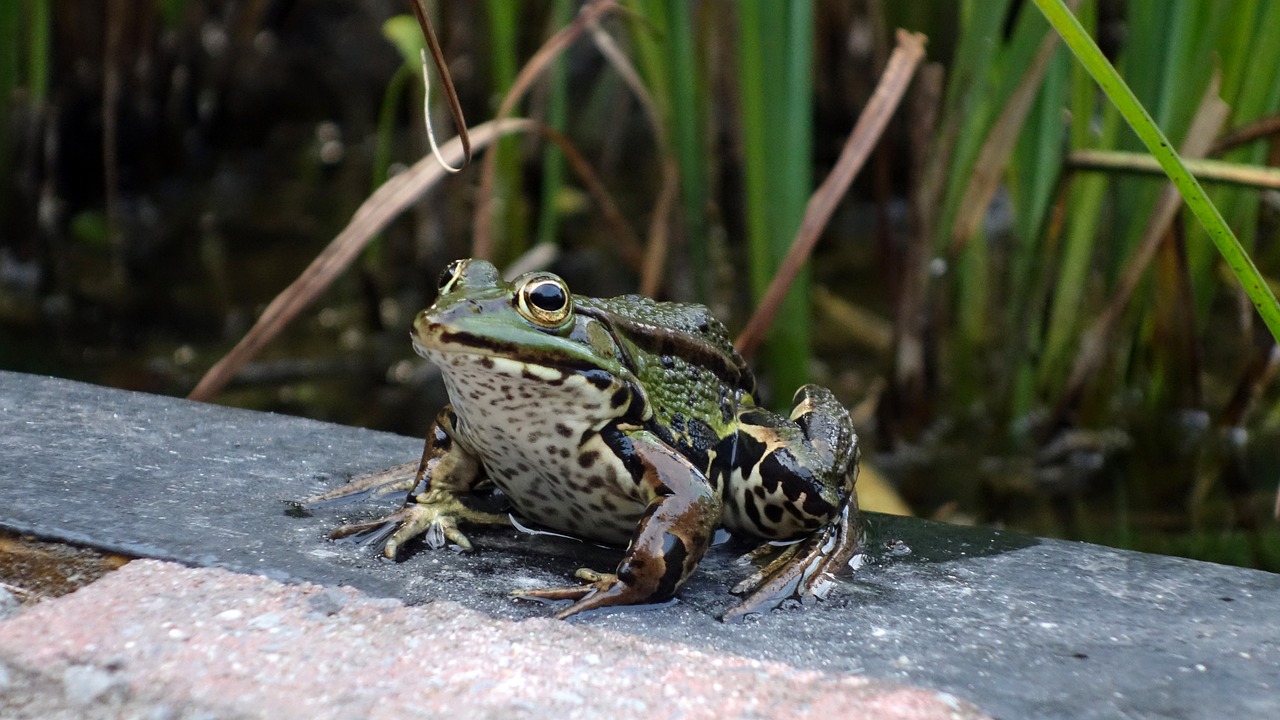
point(557, 117)
point(510, 217)
point(775, 80)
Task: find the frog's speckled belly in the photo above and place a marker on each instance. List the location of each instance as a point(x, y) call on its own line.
point(536, 432)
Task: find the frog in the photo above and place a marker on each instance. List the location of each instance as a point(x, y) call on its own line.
point(624, 421)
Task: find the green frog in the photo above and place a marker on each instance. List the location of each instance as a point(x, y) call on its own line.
point(625, 421)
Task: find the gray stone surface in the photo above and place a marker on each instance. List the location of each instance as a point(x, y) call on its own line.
point(89, 685)
point(1022, 627)
point(8, 603)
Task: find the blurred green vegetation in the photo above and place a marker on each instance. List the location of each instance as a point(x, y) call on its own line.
point(1027, 341)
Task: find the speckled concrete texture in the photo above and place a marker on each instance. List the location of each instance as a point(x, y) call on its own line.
point(157, 640)
point(1019, 626)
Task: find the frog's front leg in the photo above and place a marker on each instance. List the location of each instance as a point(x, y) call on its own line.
point(672, 536)
point(446, 471)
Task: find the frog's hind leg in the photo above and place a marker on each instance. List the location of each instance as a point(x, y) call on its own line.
point(397, 478)
point(671, 538)
point(805, 568)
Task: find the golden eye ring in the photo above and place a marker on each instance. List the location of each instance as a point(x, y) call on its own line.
point(545, 301)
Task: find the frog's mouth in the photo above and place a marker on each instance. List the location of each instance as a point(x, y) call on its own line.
point(471, 357)
point(440, 338)
point(435, 341)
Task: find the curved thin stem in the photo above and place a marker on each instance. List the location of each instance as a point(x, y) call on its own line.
point(866, 133)
point(455, 106)
point(431, 131)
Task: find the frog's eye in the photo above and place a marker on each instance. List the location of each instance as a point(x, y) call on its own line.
point(545, 300)
point(449, 276)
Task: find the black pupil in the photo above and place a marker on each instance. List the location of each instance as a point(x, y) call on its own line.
point(547, 297)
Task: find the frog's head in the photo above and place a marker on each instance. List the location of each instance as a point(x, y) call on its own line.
point(531, 320)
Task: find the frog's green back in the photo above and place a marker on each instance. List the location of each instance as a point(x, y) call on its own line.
point(683, 357)
point(689, 319)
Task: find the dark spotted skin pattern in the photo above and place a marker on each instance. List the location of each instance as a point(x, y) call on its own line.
point(625, 421)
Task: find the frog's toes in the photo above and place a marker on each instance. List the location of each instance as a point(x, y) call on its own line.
point(437, 529)
point(369, 531)
point(594, 581)
point(803, 570)
point(600, 590)
point(591, 576)
point(756, 556)
point(771, 561)
point(405, 524)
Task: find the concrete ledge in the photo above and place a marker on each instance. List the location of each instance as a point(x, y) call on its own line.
point(158, 636)
point(1021, 627)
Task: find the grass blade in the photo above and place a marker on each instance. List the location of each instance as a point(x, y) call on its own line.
point(774, 54)
point(557, 116)
point(1255, 286)
point(687, 122)
point(503, 205)
point(999, 145)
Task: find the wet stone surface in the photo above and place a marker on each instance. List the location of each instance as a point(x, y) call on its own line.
point(1022, 627)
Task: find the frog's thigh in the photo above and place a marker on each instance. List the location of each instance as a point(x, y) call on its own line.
point(806, 475)
point(446, 464)
point(678, 524)
point(672, 536)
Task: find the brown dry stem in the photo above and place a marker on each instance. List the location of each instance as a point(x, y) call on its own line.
point(1257, 130)
point(1255, 176)
point(482, 224)
point(388, 201)
point(396, 195)
point(450, 93)
point(857, 148)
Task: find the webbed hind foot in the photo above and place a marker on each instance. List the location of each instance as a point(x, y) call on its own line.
point(802, 570)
